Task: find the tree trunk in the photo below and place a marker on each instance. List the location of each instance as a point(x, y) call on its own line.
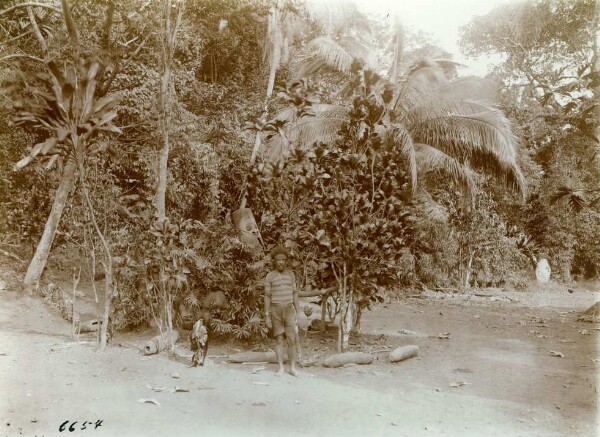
point(596, 70)
point(345, 322)
point(468, 272)
point(38, 263)
point(169, 311)
point(165, 104)
point(108, 296)
point(161, 189)
point(165, 121)
point(274, 59)
point(357, 315)
point(80, 149)
point(323, 312)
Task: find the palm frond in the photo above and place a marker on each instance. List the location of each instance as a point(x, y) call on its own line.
point(425, 203)
point(303, 133)
point(338, 17)
point(484, 140)
point(323, 51)
point(191, 300)
point(461, 135)
point(574, 198)
point(429, 159)
point(221, 327)
point(323, 126)
point(508, 172)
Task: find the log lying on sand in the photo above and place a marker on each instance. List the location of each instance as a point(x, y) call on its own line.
point(592, 314)
point(404, 352)
point(160, 342)
point(89, 326)
point(256, 357)
point(339, 360)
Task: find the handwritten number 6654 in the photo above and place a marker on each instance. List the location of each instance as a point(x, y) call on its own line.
point(63, 426)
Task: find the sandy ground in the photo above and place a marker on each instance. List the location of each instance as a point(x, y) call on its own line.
point(500, 347)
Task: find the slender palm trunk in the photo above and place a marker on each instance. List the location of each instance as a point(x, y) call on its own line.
point(275, 57)
point(165, 110)
point(163, 170)
point(165, 104)
point(38, 263)
point(596, 67)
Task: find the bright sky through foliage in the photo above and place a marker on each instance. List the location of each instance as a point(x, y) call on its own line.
point(440, 18)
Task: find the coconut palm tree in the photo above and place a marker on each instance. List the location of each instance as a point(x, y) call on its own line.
point(441, 125)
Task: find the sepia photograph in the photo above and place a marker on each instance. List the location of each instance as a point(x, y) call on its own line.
point(299, 218)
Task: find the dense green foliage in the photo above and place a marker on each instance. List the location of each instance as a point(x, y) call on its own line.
point(383, 181)
point(551, 79)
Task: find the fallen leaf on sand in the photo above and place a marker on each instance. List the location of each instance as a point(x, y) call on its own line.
point(259, 369)
point(181, 390)
point(444, 335)
point(557, 354)
point(393, 424)
point(458, 384)
point(174, 375)
point(149, 401)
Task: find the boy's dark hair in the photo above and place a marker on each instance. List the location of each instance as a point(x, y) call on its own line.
point(279, 250)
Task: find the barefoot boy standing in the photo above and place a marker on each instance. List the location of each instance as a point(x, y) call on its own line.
point(281, 307)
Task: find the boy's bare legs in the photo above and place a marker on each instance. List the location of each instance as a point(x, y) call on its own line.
point(298, 348)
point(279, 353)
point(291, 341)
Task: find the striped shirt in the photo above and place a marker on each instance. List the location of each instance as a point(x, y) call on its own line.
point(280, 287)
